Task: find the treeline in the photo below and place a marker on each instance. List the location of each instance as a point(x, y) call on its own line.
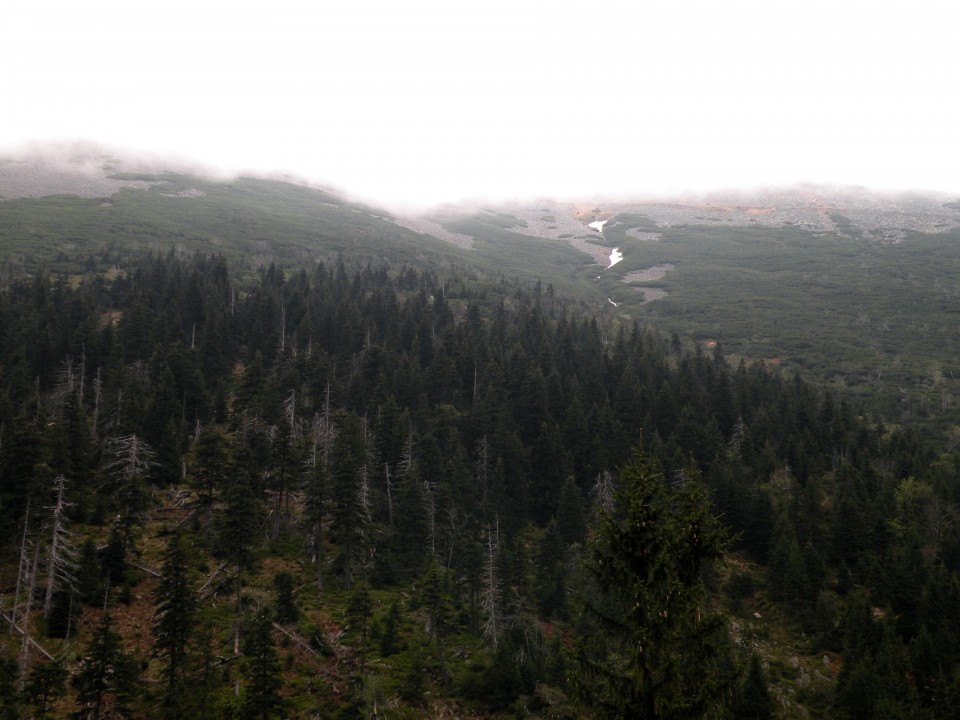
point(398, 483)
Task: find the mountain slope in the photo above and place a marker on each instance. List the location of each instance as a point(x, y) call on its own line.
point(850, 288)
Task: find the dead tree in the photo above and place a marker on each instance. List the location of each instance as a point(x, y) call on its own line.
point(603, 491)
point(62, 554)
point(129, 459)
point(23, 572)
point(492, 600)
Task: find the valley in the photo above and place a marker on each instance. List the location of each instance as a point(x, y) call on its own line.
point(266, 451)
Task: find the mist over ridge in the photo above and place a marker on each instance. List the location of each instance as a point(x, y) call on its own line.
point(90, 169)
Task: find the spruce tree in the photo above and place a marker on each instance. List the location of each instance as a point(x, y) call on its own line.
point(348, 518)
point(45, 685)
point(551, 588)
point(659, 652)
point(359, 612)
point(106, 680)
point(210, 470)
point(389, 643)
point(435, 603)
point(286, 605)
point(752, 700)
point(173, 624)
point(238, 525)
point(261, 700)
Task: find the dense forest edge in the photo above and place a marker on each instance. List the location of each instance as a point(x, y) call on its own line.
point(372, 490)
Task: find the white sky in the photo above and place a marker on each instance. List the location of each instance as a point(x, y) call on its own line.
point(421, 101)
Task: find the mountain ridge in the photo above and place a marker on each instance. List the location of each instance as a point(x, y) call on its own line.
point(92, 171)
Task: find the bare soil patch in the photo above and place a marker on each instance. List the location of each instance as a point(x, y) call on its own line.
point(429, 227)
point(657, 272)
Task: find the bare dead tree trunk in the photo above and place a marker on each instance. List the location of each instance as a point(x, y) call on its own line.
point(328, 432)
point(492, 594)
point(315, 496)
point(365, 470)
point(22, 570)
point(602, 491)
point(61, 555)
point(389, 487)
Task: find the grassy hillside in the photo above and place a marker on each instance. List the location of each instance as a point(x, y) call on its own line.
point(497, 245)
point(876, 321)
point(247, 220)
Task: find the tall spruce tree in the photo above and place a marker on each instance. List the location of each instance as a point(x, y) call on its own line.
point(359, 612)
point(752, 700)
point(348, 518)
point(659, 651)
point(45, 685)
point(173, 624)
point(240, 519)
point(106, 679)
point(262, 699)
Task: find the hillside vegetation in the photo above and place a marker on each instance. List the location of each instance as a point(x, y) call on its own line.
point(859, 298)
point(864, 306)
point(265, 452)
point(359, 488)
point(874, 320)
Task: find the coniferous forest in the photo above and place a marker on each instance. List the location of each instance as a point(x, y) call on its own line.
point(382, 491)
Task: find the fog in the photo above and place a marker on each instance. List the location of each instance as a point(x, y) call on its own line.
point(417, 104)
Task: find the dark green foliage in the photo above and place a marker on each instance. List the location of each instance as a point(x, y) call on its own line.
point(752, 699)
point(411, 526)
point(846, 309)
point(400, 425)
point(9, 707)
point(413, 683)
point(239, 523)
point(113, 557)
point(660, 651)
point(571, 520)
point(176, 603)
point(348, 517)
point(106, 677)
point(358, 613)
point(285, 603)
point(261, 698)
point(233, 218)
point(496, 684)
point(389, 636)
point(436, 605)
point(64, 608)
point(210, 470)
point(551, 563)
point(45, 686)
point(788, 578)
point(89, 585)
